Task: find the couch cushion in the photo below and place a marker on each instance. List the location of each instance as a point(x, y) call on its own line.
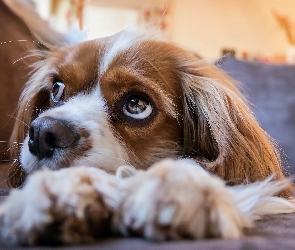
point(271, 90)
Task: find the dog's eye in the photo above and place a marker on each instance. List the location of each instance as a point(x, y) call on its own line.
point(137, 107)
point(57, 92)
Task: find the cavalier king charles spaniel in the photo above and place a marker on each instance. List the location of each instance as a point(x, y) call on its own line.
point(133, 135)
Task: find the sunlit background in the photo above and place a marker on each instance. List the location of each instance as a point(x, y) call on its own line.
point(250, 29)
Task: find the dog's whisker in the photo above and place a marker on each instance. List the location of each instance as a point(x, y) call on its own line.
point(20, 143)
point(12, 174)
point(28, 56)
point(167, 98)
point(20, 40)
point(17, 119)
point(9, 173)
point(156, 68)
point(13, 145)
point(21, 58)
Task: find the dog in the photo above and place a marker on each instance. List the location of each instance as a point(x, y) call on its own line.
point(120, 105)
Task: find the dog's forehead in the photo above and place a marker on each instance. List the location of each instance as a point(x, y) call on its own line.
point(81, 67)
point(134, 49)
point(76, 66)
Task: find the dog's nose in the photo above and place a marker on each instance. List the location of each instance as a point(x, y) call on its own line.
point(47, 134)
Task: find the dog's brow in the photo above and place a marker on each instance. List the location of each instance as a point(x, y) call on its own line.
point(123, 42)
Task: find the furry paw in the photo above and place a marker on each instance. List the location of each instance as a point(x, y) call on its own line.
point(172, 200)
point(178, 199)
point(67, 206)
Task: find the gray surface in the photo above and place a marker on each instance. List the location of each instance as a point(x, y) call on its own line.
point(271, 90)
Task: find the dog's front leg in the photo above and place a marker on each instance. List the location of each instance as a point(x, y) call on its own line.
point(66, 206)
point(179, 199)
point(172, 200)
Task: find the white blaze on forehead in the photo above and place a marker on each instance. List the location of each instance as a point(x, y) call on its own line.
point(122, 42)
point(125, 39)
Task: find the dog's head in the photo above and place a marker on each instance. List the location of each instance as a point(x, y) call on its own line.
point(134, 99)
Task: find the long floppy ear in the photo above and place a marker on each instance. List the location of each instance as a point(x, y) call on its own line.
point(220, 131)
point(34, 98)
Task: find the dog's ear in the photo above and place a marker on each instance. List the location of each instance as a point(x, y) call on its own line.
point(34, 99)
point(220, 131)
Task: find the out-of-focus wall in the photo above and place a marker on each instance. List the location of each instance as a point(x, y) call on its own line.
point(206, 26)
point(209, 25)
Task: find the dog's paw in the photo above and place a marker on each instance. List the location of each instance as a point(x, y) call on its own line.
point(67, 206)
point(178, 199)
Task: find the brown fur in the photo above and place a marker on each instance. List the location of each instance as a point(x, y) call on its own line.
point(207, 119)
point(14, 71)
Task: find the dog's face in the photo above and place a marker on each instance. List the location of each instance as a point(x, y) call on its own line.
point(112, 102)
point(133, 99)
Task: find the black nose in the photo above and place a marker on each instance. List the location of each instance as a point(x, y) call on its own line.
point(47, 134)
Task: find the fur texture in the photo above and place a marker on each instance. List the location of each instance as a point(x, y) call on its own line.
point(134, 99)
point(197, 110)
point(170, 201)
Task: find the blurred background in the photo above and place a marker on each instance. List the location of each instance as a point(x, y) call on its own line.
point(261, 30)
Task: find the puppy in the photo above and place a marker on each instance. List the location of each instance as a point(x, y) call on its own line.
point(134, 99)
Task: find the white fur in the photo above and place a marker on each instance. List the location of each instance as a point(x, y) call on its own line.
point(170, 200)
point(106, 152)
point(26, 212)
point(186, 200)
point(125, 39)
point(123, 42)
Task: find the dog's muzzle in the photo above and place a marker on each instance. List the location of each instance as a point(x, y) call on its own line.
point(47, 134)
